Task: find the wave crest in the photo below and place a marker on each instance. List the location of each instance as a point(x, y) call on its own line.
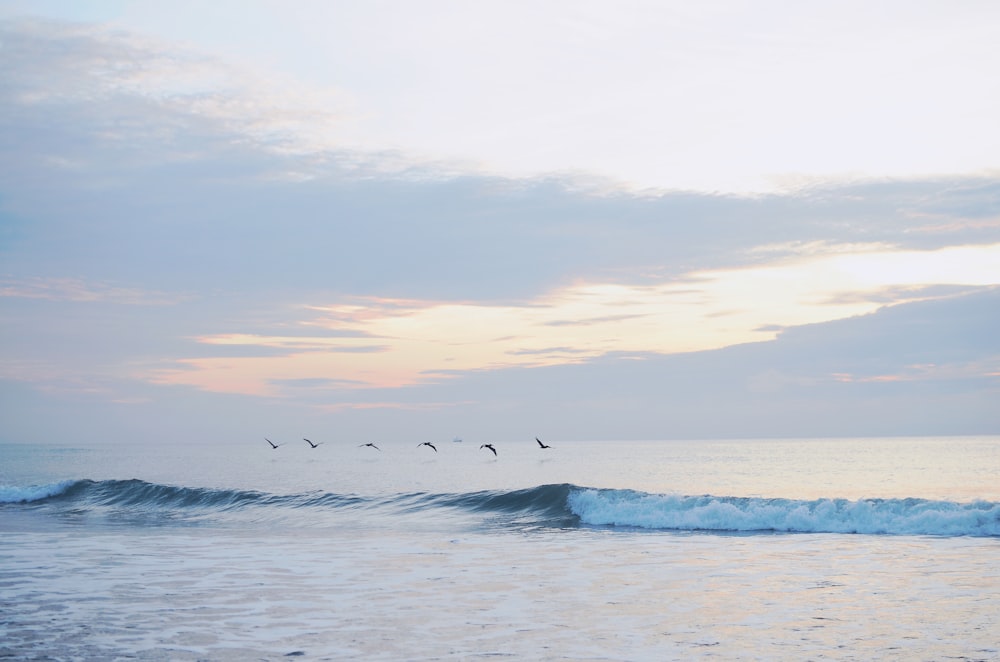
point(709, 513)
point(31, 493)
point(546, 506)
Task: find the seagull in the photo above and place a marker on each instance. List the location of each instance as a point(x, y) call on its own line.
point(541, 444)
point(311, 443)
point(490, 446)
point(273, 445)
point(370, 444)
point(427, 443)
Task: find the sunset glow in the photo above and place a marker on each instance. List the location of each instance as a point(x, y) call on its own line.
point(627, 219)
point(395, 343)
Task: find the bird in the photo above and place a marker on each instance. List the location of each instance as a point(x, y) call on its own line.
point(490, 446)
point(311, 443)
point(273, 445)
point(427, 443)
point(541, 444)
point(370, 444)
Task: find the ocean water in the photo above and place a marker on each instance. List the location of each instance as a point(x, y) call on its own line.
point(827, 549)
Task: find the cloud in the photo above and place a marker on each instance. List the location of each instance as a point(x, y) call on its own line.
point(654, 91)
point(177, 181)
point(422, 341)
point(296, 343)
point(77, 290)
point(174, 234)
point(59, 66)
point(928, 367)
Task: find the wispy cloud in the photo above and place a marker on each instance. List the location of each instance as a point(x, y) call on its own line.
point(58, 65)
point(392, 405)
point(81, 291)
point(961, 371)
point(334, 343)
point(417, 339)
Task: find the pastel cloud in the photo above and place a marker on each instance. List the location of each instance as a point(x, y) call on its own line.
point(182, 233)
point(396, 343)
point(79, 290)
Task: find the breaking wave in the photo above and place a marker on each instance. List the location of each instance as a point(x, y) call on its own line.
point(561, 506)
point(710, 513)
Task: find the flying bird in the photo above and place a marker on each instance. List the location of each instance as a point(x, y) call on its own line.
point(541, 444)
point(490, 446)
point(370, 444)
point(311, 443)
point(427, 443)
point(273, 445)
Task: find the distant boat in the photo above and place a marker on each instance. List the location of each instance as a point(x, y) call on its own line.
point(457, 440)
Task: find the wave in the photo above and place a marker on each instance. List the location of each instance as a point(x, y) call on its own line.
point(562, 506)
point(14, 494)
point(141, 494)
point(710, 513)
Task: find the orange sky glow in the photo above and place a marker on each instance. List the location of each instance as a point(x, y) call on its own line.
point(377, 342)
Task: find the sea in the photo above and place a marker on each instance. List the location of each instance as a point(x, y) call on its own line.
point(762, 549)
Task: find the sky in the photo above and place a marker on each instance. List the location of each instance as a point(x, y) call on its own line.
point(498, 220)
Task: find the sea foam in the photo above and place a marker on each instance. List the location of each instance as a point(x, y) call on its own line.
point(710, 513)
point(27, 494)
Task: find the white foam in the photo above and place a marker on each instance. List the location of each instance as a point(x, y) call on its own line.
point(892, 516)
point(22, 494)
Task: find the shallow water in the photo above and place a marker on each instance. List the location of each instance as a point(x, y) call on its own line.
point(400, 554)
